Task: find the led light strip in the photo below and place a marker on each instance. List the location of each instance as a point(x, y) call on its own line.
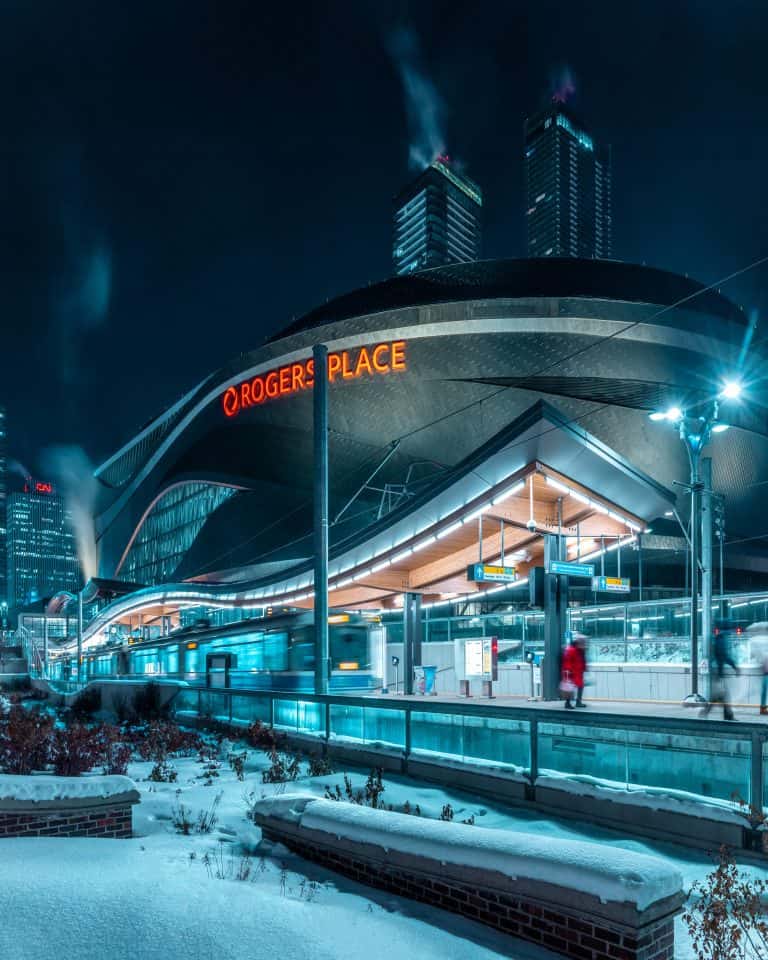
point(593, 503)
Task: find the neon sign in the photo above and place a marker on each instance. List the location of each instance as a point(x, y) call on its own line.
point(38, 486)
point(297, 377)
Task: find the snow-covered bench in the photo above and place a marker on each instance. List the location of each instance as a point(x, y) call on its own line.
point(44, 806)
point(576, 898)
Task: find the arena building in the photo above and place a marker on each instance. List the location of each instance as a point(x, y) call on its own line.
point(425, 370)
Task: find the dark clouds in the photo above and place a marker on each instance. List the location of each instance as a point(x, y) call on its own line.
point(179, 179)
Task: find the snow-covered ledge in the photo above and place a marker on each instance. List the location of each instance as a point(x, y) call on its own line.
point(574, 897)
point(46, 806)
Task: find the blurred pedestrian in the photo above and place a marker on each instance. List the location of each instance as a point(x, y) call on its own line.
point(721, 659)
point(574, 667)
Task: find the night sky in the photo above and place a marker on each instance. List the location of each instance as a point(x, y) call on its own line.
point(179, 179)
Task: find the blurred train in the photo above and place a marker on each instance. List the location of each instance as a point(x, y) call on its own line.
point(270, 653)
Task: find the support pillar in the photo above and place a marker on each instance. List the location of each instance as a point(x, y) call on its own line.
point(320, 427)
point(79, 673)
point(706, 555)
point(412, 636)
point(555, 616)
point(45, 644)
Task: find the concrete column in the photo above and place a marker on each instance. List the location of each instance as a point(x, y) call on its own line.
point(413, 632)
point(555, 616)
point(320, 425)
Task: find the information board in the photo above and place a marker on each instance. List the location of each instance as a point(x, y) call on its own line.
point(611, 584)
point(481, 658)
point(483, 572)
point(572, 569)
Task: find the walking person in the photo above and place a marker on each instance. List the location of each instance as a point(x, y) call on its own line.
point(721, 658)
point(574, 667)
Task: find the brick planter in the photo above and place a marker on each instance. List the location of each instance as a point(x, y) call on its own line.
point(110, 815)
point(566, 921)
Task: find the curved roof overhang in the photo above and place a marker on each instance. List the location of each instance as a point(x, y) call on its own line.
point(340, 336)
point(574, 482)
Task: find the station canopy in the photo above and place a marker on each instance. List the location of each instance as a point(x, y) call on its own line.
point(542, 474)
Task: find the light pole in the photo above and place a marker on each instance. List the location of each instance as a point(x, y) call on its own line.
point(695, 428)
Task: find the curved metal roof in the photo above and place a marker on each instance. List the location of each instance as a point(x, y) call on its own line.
point(512, 279)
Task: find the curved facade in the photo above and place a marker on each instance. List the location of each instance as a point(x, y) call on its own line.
point(424, 370)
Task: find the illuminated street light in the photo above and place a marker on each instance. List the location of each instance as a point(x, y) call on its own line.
point(695, 429)
point(731, 390)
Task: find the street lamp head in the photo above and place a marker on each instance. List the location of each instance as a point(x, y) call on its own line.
point(731, 390)
point(673, 415)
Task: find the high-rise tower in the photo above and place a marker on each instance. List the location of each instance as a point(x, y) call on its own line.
point(436, 220)
point(567, 188)
point(42, 556)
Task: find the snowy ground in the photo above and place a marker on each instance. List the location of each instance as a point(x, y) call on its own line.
point(154, 897)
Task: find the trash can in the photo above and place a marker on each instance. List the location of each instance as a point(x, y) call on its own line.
point(430, 681)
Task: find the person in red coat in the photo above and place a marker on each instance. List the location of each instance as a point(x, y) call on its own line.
point(573, 669)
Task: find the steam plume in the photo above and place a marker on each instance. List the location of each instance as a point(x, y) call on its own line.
point(83, 303)
point(72, 473)
point(423, 105)
point(563, 85)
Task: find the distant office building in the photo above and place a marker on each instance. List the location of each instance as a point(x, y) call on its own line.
point(567, 188)
point(42, 557)
point(436, 220)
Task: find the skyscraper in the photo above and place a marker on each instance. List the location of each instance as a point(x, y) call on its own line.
point(42, 556)
point(567, 188)
point(436, 220)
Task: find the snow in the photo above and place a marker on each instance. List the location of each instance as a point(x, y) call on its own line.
point(610, 875)
point(152, 898)
point(41, 789)
point(671, 801)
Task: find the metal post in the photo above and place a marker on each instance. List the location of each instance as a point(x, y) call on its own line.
point(694, 454)
point(412, 628)
point(502, 542)
point(640, 566)
point(320, 427)
point(706, 556)
point(45, 645)
point(79, 673)
point(555, 613)
point(480, 538)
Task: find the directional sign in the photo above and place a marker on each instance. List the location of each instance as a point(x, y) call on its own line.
point(572, 569)
point(611, 584)
point(481, 572)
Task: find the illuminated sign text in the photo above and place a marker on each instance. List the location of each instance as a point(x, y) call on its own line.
point(300, 376)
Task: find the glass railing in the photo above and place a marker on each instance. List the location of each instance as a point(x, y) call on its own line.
point(690, 759)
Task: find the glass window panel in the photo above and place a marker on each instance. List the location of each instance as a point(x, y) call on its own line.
point(384, 726)
point(710, 766)
point(572, 750)
point(347, 721)
point(437, 733)
point(501, 741)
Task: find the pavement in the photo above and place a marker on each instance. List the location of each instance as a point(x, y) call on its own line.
point(631, 708)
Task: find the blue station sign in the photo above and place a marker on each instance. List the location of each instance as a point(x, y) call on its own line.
point(489, 572)
point(572, 569)
point(611, 584)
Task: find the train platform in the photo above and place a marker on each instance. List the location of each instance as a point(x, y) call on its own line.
point(641, 709)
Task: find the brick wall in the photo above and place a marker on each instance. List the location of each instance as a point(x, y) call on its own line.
point(571, 934)
point(114, 820)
